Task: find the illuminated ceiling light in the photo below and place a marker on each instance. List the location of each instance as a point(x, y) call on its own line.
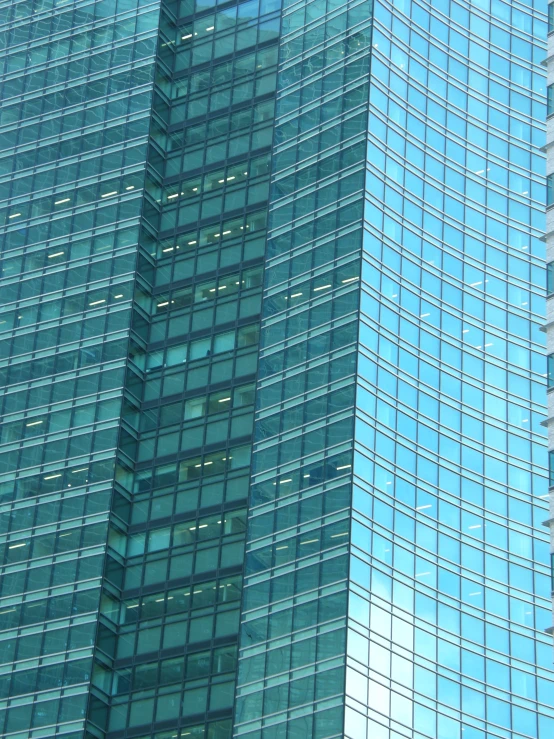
point(56, 254)
point(59, 202)
point(108, 194)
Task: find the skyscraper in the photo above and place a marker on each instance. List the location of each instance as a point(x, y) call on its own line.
point(272, 371)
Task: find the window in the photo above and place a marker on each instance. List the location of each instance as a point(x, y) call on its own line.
point(195, 408)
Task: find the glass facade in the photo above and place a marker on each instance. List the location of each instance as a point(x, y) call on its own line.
point(449, 594)
point(166, 650)
point(447, 576)
point(77, 84)
point(272, 371)
point(292, 663)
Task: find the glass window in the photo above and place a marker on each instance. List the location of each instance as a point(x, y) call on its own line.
point(195, 408)
point(200, 349)
point(224, 342)
point(176, 355)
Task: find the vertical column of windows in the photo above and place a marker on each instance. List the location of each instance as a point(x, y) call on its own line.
point(175, 616)
point(549, 238)
point(299, 519)
point(76, 93)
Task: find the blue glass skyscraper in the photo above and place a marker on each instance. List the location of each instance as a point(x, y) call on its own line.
point(273, 455)
point(398, 473)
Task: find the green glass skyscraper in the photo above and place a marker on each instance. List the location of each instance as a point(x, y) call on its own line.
point(273, 462)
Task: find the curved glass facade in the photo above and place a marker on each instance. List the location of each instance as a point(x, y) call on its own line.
point(448, 579)
point(450, 588)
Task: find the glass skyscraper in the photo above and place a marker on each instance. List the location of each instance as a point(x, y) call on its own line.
point(273, 456)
